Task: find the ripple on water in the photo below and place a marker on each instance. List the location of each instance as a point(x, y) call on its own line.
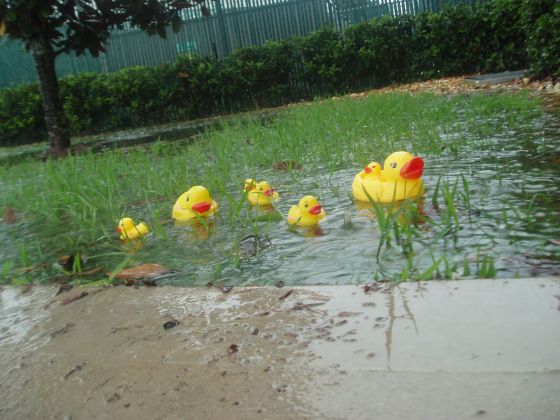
point(507, 196)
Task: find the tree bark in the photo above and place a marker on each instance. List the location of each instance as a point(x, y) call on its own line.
point(57, 124)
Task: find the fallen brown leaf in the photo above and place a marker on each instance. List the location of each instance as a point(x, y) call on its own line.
point(142, 271)
point(9, 215)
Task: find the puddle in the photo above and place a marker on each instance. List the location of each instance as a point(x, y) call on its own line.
point(508, 226)
point(514, 210)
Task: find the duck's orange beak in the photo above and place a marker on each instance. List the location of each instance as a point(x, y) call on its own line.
point(269, 192)
point(202, 207)
point(413, 169)
point(119, 229)
point(316, 209)
point(367, 170)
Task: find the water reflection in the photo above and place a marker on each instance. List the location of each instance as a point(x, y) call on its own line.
point(197, 229)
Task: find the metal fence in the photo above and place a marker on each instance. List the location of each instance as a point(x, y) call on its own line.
point(232, 24)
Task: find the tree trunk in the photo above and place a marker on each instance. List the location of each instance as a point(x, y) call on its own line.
point(57, 124)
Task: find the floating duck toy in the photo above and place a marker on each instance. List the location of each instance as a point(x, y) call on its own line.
point(308, 212)
point(260, 193)
point(400, 179)
point(194, 203)
point(129, 230)
point(371, 171)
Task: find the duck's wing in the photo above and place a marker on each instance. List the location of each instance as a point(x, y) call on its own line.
point(294, 215)
point(181, 214)
point(142, 228)
point(253, 198)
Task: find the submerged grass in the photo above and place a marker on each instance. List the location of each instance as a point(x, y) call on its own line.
point(71, 206)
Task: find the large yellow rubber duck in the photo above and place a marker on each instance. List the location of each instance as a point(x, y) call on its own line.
point(260, 193)
point(194, 203)
point(129, 230)
point(401, 178)
point(308, 212)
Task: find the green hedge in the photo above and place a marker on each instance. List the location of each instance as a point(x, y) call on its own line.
point(491, 36)
point(541, 19)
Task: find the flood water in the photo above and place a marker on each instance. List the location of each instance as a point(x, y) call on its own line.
point(506, 224)
point(512, 218)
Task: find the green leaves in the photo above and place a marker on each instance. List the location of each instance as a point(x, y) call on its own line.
point(83, 25)
point(494, 36)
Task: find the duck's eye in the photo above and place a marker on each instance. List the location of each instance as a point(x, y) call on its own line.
point(306, 205)
point(187, 198)
point(394, 165)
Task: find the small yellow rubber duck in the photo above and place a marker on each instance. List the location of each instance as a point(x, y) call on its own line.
point(194, 203)
point(129, 230)
point(308, 212)
point(371, 171)
point(401, 178)
point(260, 193)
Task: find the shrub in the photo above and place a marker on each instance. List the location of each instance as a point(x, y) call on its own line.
point(542, 26)
point(381, 51)
point(86, 99)
point(21, 115)
point(493, 36)
point(324, 60)
point(504, 38)
point(261, 75)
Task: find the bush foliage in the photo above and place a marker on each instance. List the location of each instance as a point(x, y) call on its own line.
point(492, 36)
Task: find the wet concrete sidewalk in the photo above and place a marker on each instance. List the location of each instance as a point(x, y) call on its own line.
point(440, 350)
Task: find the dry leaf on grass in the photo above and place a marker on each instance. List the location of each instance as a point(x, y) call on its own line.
point(9, 215)
point(142, 271)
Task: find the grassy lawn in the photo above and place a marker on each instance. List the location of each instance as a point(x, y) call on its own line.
point(72, 205)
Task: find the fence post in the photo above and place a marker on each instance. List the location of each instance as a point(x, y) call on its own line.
point(222, 24)
point(104, 64)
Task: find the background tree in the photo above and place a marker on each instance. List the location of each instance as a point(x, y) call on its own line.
point(49, 28)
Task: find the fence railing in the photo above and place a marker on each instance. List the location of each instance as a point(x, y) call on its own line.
point(232, 24)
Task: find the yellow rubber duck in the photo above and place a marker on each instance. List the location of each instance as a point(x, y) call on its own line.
point(129, 230)
point(260, 193)
point(371, 171)
point(194, 203)
point(308, 212)
point(401, 178)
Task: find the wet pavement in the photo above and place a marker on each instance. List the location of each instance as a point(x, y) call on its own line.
point(437, 350)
